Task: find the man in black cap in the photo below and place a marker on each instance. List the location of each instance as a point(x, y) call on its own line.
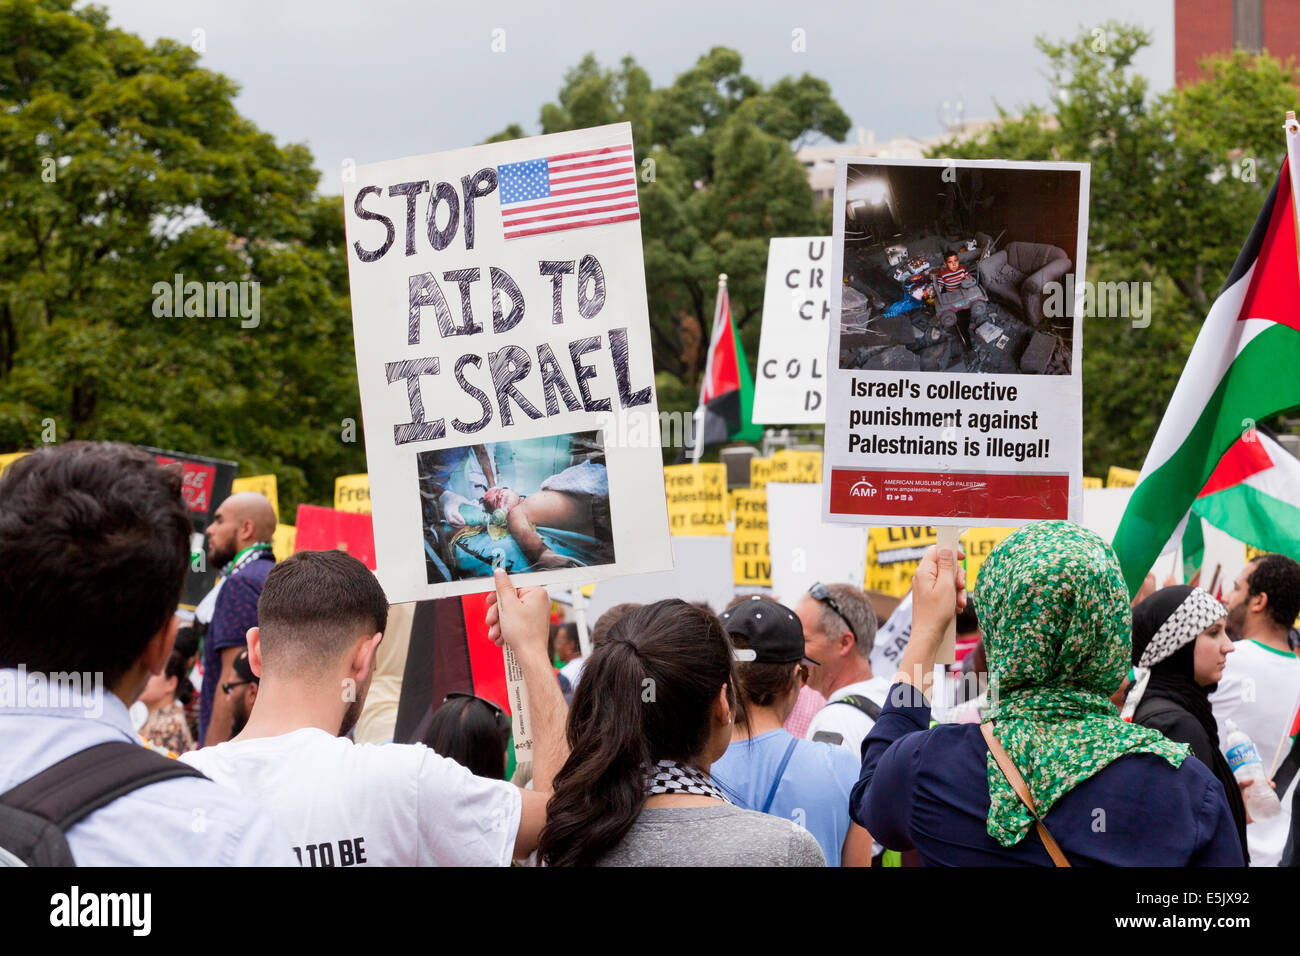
point(766, 768)
point(240, 692)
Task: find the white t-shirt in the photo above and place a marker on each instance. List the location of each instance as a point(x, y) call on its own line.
point(1259, 693)
point(346, 804)
point(572, 671)
point(846, 720)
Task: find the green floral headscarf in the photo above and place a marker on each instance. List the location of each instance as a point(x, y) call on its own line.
point(1057, 630)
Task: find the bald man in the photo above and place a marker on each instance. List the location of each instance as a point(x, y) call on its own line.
point(239, 542)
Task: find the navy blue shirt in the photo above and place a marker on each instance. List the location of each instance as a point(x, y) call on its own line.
point(928, 790)
point(234, 614)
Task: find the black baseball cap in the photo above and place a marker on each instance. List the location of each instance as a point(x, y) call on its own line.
point(242, 668)
point(772, 630)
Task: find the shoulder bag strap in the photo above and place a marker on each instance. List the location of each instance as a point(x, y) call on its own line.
point(864, 704)
point(1008, 768)
point(780, 772)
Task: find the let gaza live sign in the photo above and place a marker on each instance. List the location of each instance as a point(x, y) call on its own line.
point(954, 392)
point(697, 498)
point(504, 363)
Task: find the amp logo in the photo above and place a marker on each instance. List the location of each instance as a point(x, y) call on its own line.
point(862, 489)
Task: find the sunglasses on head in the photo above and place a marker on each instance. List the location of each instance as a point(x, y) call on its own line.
point(820, 592)
point(502, 718)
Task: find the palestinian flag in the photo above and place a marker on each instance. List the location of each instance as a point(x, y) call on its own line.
point(1244, 368)
point(726, 406)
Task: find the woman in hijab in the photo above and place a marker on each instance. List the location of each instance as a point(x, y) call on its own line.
point(1056, 617)
point(1180, 645)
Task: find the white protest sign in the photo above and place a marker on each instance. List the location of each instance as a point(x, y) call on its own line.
point(954, 392)
point(790, 386)
point(701, 572)
point(503, 358)
point(805, 551)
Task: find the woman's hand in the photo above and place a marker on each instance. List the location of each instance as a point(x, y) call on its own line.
point(938, 593)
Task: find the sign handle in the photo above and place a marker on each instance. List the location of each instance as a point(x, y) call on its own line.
point(948, 536)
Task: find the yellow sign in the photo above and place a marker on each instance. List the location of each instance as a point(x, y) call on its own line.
point(697, 499)
point(1121, 477)
point(352, 493)
point(760, 472)
point(1093, 482)
point(9, 459)
point(749, 543)
point(978, 543)
point(894, 553)
point(804, 467)
point(264, 485)
point(282, 543)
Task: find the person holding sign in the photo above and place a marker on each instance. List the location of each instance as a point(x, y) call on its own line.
point(322, 615)
point(1053, 776)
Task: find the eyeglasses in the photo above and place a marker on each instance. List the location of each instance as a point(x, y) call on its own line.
point(820, 592)
point(501, 717)
point(228, 687)
point(803, 673)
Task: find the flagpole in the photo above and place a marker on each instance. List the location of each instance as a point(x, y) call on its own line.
point(697, 421)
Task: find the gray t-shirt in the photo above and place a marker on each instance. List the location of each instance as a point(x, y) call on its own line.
point(720, 835)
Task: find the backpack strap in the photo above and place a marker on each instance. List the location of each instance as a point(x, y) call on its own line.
point(77, 786)
point(780, 772)
point(864, 704)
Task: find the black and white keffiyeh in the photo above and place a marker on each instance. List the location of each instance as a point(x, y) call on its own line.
point(669, 776)
point(1196, 612)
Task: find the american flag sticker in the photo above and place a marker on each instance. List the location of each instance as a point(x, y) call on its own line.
point(591, 187)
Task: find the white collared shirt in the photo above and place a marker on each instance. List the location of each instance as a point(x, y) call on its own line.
point(180, 822)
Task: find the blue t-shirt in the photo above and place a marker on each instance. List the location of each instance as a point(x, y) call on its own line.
point(235, 613)
point(813, 792)
point(928, 789)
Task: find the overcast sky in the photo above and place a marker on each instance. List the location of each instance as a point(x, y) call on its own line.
point(379, 80)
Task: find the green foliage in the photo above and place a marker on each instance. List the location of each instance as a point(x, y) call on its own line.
point(1176, 183)
point(718, 180)
point(125, 164)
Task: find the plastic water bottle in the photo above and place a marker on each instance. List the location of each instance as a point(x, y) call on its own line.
point(1243, 760)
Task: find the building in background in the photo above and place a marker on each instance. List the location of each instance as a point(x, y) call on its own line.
point(1205, 27)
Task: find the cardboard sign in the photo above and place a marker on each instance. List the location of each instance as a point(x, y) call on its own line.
point(954, 390)
point(750, 551)
point(803, 550)
point(325, 529)
point(504, 363)
point(697, 499)
point(352, 493)
point(264, 485)
point(788, 389)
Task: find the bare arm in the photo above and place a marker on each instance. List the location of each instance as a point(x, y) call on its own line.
point(221, 721)
point(857, 847)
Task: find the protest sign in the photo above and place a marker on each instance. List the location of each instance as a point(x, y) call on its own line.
point(282, 544)
point(504, 363)
point(8, 459)
point(701, 571)
point(893, 555)
point(760, 472)
point(954, 391)
point(205, 484)
point(264, 485)
point(1122, 477)
point(327, 529)
point(753, 562)
point(802, 549)
point(697, 498)
point(796, 465)
point(792, 348)
point(978, 543)
point(352, 493)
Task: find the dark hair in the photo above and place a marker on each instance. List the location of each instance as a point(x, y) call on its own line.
point(952, 253)
point(187, 641)
point(967, 620)
point(178, 666)
point(94, 549)
point(313, 606)
point(762, 684)
point(1279, 577)
point(646, 694)
point(466, 730)
point(605, 623)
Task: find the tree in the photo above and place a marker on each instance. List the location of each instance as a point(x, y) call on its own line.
point(718, 180)
point(126, 165)
point(1176, 183)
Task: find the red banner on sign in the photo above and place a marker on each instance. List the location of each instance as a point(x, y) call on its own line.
point(197, 487)
point(324, 529)
point(979, 497)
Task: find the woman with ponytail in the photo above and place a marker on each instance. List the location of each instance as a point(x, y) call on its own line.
point(652, 713)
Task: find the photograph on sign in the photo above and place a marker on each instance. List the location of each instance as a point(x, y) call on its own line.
point(788, 389)
point(499, 299)
point(954, 391)
point(537, 503)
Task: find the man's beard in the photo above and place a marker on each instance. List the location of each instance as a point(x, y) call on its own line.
point(1236, 621)
point(353, 713)
point(220, 557)
point(238, 715)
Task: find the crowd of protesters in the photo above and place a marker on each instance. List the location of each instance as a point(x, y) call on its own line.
point(1093, 730)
